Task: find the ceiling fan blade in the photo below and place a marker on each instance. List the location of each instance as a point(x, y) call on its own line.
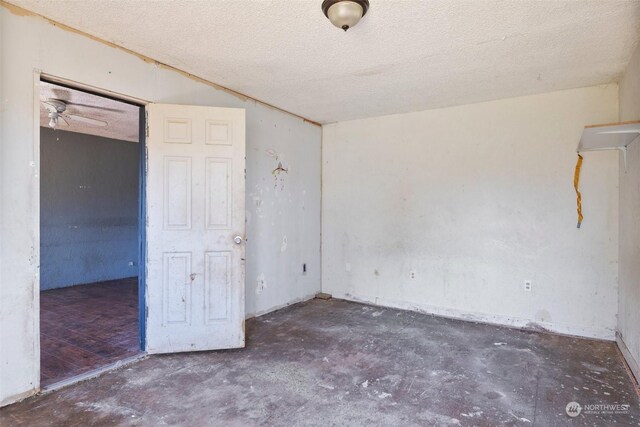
point(60, 93)
point(49, 106)
point(97, 107)
point(54, 105)
point(86, 120)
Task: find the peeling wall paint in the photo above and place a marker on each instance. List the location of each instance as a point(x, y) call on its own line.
point(261, 284)
point(279, 172)
point(449, 211)
point(30, 43)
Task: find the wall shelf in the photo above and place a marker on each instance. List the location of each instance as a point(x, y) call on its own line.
point(610, 136)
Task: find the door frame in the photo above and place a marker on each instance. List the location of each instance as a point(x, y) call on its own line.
point(38, 76)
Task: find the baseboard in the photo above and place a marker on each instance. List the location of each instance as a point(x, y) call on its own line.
point(491, 319)
point(633, 364)
point(18, 397)
point(280, 307)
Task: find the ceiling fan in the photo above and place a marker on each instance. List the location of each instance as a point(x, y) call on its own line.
point(56, 109)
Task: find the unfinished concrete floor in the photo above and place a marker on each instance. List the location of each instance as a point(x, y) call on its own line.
point(340, 363)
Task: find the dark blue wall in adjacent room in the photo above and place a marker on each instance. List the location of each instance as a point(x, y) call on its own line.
point(88, 208)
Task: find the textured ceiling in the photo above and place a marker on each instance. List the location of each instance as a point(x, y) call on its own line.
point(405, 55)
point(122, 118)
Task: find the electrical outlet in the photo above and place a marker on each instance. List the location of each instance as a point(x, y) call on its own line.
point(412, 274)
point(527, 285)
point(131, 263)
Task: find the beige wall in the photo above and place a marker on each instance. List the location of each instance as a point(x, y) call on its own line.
point(473, 201)
point(629, 299)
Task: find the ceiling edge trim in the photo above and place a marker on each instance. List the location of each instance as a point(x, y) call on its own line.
point(17, 10)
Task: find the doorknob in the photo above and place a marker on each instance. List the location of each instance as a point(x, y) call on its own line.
point(237, 240)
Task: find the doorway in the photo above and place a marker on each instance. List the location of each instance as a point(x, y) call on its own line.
point(91, 232)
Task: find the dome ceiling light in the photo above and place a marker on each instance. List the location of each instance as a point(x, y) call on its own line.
point(345, 13)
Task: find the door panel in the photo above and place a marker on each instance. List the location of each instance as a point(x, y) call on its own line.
point(176, 297)
point(218, 193)
point(177, 193)
point(218, 285)
point(195, 206)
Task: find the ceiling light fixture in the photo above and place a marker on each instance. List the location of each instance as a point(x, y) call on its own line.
point(53, 120)
point(345, 13)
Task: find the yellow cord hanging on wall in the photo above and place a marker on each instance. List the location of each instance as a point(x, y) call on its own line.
point(576, 181)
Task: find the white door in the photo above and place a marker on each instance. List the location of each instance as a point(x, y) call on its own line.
point(195, 228)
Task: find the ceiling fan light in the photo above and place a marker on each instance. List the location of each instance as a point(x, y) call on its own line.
point(53, 121)
point(345, 13)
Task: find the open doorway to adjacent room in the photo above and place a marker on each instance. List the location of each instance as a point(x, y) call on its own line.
point(91, 239)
